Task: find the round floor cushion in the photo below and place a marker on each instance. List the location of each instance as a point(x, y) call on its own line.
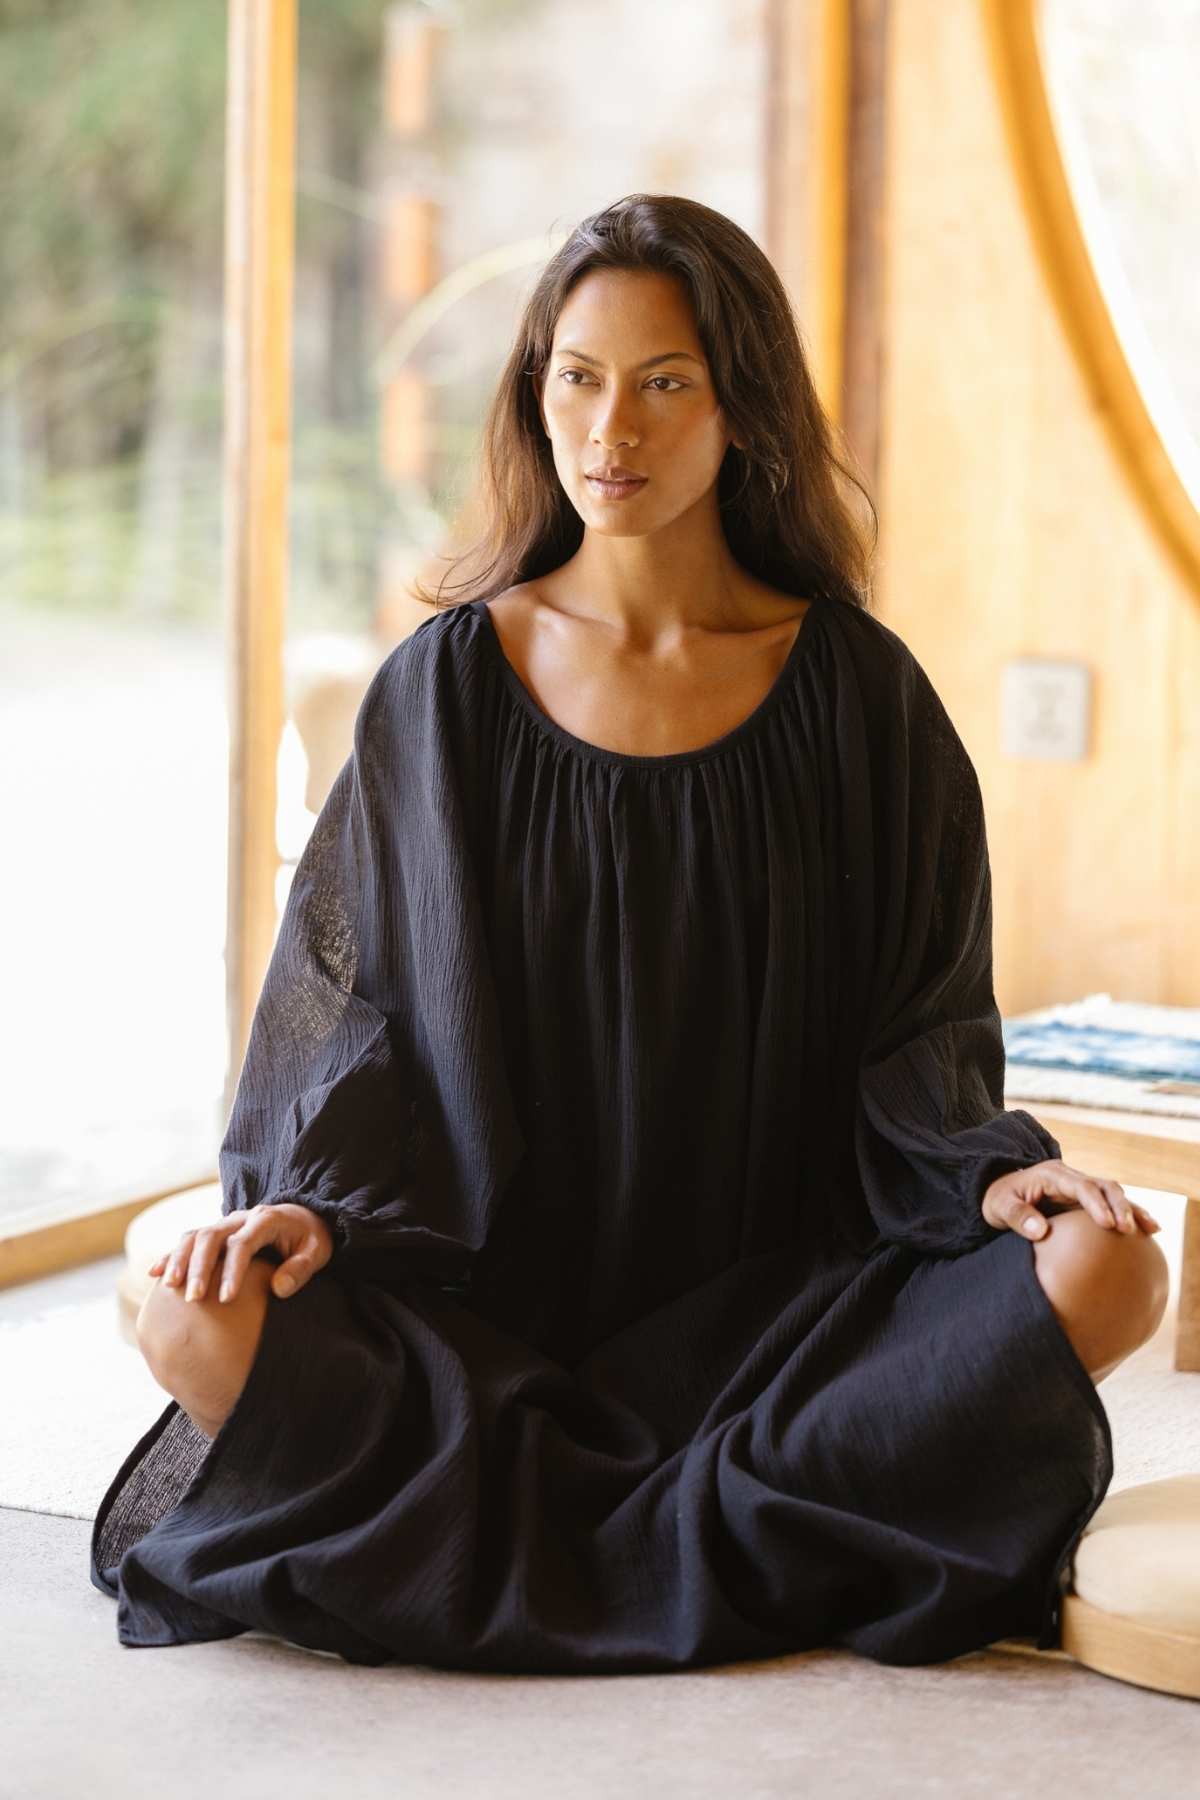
point(1141, 1554)
point(1133, 1606)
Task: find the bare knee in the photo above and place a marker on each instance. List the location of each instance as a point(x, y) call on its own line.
point(170, 1328)
point(1127, 1270)
point(1109, 1288)
point(200, 1351)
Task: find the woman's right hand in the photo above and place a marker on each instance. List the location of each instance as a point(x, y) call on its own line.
point(302, 1235)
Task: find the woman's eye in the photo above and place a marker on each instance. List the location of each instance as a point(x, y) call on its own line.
point(565, 372)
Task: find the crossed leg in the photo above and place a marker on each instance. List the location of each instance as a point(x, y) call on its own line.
point(201, 1351)
point(1108, 1288)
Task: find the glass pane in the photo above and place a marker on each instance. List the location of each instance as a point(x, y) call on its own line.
point(112, 730)
point(444, 152)
point(1121, 79)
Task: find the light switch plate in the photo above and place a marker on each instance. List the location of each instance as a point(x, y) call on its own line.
point(1046, 708)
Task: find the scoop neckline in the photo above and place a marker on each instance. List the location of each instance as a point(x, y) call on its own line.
point(626, 758)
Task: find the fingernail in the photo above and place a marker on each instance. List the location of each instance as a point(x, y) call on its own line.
point(225, 1290)
point(286, 1286)
point(1033, 1226)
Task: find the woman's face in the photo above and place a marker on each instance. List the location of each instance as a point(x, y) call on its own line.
point(628, 384)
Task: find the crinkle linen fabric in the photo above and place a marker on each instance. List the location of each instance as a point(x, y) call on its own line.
point(651, 1101)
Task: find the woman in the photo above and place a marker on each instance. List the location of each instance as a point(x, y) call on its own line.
point(623, 1260)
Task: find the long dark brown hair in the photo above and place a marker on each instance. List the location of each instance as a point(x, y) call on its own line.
point(785, 515)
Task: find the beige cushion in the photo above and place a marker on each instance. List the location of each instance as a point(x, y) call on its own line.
point(1140, 1554)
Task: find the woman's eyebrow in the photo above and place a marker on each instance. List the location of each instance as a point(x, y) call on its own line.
point(669, 356)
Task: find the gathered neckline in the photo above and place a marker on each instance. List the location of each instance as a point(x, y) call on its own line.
point(628, 758)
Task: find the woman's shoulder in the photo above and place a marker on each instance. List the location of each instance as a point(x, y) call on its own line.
point(418, 684)
point(863, 629)
point(431, 643)
point(884, 663)
point(436, 633)
point(906, 719)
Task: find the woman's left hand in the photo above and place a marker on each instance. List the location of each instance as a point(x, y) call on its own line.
point(1012, 1200)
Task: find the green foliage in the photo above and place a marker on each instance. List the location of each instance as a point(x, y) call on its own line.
point(111, 147)
point(112, 150)
point(112, 187)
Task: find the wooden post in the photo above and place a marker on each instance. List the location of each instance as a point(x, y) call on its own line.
point(259, 237)
point(409, 267)
point(806, 173)
point(864, 351)
point(825, 130)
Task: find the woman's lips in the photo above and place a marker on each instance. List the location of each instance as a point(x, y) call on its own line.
point(614, 490)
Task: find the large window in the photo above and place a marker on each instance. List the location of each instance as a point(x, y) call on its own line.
point(1121, 79)
point(112, 730)
point(441, 152)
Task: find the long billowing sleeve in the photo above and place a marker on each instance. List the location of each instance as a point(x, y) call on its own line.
point(931, 1131)
point(373, 1089)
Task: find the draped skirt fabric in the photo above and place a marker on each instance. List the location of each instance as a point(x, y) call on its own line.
point(895, 1453)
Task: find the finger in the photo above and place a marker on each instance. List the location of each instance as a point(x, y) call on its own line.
point(1119, 1205)
point(240, 1248)
point(1146, 1221)
point(178, 1259)
point(1090, 1194)
point(208, 1243)
point(292, 1274)
point(1027, 1220)
point(233, 1269)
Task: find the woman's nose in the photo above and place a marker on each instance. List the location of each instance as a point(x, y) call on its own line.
point(610, 427)
point(611, 432)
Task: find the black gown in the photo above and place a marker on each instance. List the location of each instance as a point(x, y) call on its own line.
point(651, 1101)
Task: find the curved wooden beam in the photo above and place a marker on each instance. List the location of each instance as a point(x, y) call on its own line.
point(1098, 313)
